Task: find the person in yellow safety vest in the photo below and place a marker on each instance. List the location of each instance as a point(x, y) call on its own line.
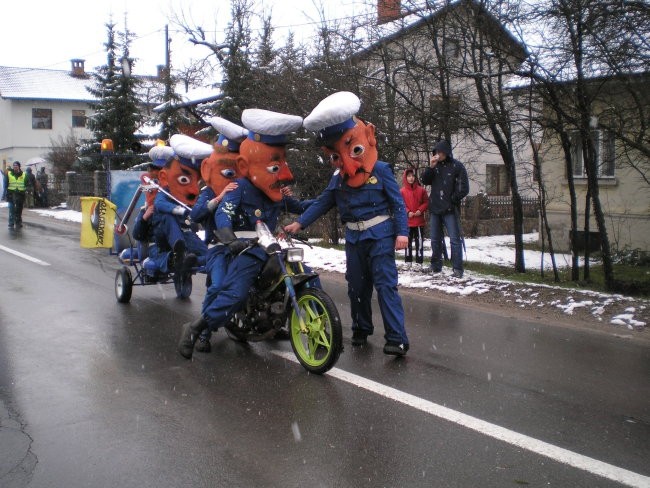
point(15, 195)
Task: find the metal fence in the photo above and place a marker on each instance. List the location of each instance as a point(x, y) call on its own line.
point(484, 207)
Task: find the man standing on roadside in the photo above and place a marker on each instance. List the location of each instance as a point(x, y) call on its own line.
point(449, 185)
point(16, 195)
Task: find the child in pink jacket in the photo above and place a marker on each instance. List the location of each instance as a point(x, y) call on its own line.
point(416, 201)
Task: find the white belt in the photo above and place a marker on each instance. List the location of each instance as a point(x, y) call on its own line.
point(366, 224)
point(246, 234)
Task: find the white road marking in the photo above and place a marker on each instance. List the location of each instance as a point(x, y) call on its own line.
point(555, 453)
point(24, 256)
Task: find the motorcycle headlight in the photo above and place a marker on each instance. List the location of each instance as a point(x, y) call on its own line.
point(295, 254)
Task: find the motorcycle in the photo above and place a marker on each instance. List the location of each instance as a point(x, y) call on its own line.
point(284, 294)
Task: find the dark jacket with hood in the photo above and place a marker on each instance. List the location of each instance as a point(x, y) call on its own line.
point(448, 180)
point(415, 198)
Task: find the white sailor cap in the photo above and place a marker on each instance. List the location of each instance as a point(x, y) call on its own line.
point(333, 115)
point(160, 155)
point(269, 127)
point(230, 135)
point(189, 151)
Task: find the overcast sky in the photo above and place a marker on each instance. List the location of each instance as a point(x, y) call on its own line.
point(48, 34)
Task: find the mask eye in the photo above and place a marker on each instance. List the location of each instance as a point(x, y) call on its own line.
point(228, 173)
point(273, 169)
point(183, 180)
point(358, 150)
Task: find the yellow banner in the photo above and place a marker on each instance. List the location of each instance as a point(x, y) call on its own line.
point(97, 222)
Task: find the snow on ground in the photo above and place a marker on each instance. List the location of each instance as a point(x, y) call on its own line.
point(493, 249)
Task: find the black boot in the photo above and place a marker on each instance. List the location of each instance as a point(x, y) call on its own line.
point(189, 336)
point(179, 257)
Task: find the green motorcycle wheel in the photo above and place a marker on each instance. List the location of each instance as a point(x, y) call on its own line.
point(319, 346)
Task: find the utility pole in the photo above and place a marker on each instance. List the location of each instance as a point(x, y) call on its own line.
point(168, 86)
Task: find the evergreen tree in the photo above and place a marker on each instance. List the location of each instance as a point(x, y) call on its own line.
point(239, 82)
point(116, 114)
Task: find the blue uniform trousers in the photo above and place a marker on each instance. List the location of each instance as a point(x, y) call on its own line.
point(241, 273)
point(372, 263)
point(168, 232)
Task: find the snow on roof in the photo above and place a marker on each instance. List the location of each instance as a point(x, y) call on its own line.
point(43, 84)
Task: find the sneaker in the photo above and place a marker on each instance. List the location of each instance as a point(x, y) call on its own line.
point(203, 345)
point(457, 273)
point(395, 349)
point(359, 338)
point(435, 271)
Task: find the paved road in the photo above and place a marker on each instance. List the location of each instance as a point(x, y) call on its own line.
point(93, 393)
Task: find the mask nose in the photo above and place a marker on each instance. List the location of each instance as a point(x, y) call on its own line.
point(285, 175)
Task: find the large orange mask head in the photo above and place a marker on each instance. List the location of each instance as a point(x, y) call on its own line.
point(220, 168)
point(265, 166)
point(262, 155)
point(181, 175)
point(349, 142)
point(182, 181)
point(355, 153)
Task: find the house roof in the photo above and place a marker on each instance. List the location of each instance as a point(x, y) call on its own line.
point(413, 20)
point(43, 84)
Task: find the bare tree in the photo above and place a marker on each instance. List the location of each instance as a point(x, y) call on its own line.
point(62, 154)
point(588, 61)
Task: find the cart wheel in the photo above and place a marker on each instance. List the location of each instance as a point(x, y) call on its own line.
point(183, 286)
point(123, 285)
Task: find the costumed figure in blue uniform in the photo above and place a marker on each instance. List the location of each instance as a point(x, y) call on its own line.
point(372, 209)
point(153, 259)
point(258, 196)
point(180, 181)
point(218, 172)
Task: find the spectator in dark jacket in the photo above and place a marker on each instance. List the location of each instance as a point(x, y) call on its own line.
point(449, 185)
point(416, 201)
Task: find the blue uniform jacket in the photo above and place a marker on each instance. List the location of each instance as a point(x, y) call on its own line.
point(242, 207)
point(201, 214)
point(380, 195)
point(163, 204)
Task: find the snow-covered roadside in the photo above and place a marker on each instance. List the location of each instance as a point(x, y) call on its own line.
point(617, 310)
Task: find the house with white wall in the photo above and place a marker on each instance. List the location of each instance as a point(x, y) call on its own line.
point(38, 106)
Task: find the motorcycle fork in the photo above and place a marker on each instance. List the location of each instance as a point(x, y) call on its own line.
point(288, 282)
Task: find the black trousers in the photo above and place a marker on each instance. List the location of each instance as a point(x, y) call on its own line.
point(16, 200)
point(416, 236)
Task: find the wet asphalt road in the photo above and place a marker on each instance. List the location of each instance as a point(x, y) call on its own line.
point(93, 393)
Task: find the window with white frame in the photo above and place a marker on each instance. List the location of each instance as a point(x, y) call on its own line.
point(604, 145)
point(496, 180)
point(78, 118)
point(41, 118)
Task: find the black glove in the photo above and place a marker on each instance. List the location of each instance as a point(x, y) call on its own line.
point(237, 247)
point(226, 236)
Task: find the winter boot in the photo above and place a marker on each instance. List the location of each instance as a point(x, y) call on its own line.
point(189, 336)
point(179, 257)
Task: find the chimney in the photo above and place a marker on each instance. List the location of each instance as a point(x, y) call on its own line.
point(78, 70)
point(388, 10)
